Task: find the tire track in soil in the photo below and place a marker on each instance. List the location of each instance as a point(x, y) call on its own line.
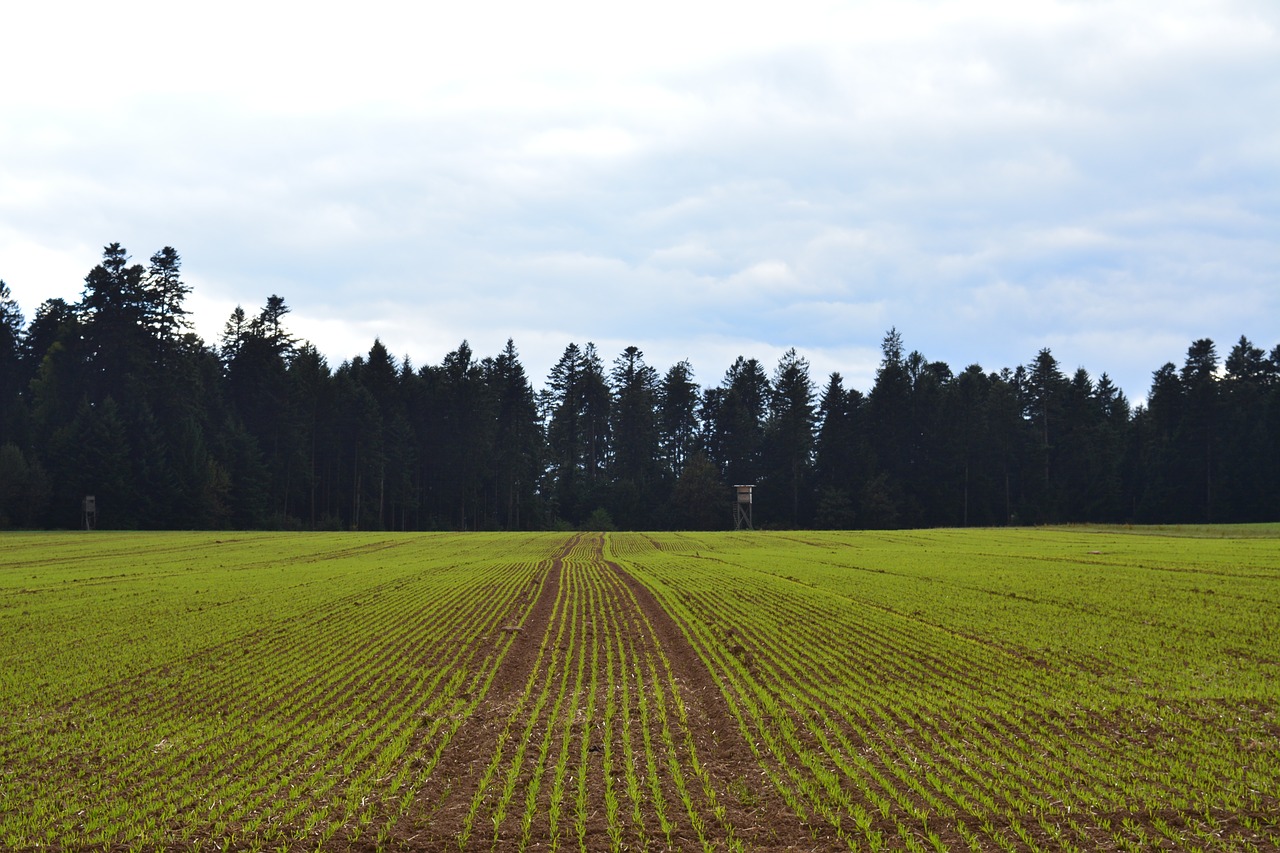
point(761, 820)
point(446, 797)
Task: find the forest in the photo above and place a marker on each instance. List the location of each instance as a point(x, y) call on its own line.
point(115, 396)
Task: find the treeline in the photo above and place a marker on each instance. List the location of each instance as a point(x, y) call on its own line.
point(114, 396)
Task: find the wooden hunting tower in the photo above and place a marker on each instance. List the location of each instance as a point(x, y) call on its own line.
point(742, 508)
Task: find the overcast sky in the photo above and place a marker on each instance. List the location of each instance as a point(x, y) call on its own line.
point(699, 179)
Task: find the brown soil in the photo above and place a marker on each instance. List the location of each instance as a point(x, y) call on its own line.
point(630, 744)
point(627, 619)
point(444, 801)
point(760, 818)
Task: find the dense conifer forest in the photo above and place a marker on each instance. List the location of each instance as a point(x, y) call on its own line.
point(114, 396)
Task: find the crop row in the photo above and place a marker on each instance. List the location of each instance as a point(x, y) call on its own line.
point(1199, 616)
point(302, 731)
point(896, 732)
point(944, 690)
point(593, 749)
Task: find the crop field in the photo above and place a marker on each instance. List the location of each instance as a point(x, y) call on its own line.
point(1017, 690)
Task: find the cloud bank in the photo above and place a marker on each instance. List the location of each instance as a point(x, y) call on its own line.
point(701, 181)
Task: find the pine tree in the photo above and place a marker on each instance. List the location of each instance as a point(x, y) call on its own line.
point(634, 439)
point(163, 295)
point(114, 311)
point(738, 425)
point(678, 426)
point(889, 411)
point(11, 327)
point(1044, 397)
point(577, 406)
point(1198, 437)
point(517, 440)
point(788, 440)
point(841, 460)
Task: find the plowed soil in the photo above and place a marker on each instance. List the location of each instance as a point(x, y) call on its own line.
point(628, 617)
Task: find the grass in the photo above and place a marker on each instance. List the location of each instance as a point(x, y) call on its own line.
point(159, 685)
point(1071, 688)
point(976, 687)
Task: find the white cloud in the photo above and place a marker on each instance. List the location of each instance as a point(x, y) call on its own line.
point(765, 277)
point(990, 177)
point(690, 254)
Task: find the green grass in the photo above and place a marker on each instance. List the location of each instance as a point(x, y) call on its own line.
point(162, 685)
point(1072, 688)
point(988, 684)
point(1199, 617)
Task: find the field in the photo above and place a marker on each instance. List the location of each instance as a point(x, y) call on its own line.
point(1030, 690)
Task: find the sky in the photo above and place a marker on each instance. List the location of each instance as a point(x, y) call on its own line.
point(699, 179)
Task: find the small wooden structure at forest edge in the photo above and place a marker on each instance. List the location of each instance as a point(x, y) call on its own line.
point(742, 508)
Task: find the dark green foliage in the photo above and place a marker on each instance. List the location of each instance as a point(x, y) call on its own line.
point(700, 499)
point(635, 465)
point(516, 448)
point(24, 488)
point(11, 372)
point(735, 427)
point(164, 292)
point(114, 396)
point(678, 427)
point(787, 457)
point(576, 408)
point(843, 455)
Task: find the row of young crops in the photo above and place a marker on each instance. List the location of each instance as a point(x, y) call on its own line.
point(940, 690)
point(178, 693)
point(284, 692)
point(887, 723)
point(593, 750)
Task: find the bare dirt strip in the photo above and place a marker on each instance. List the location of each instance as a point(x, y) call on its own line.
point(761, 820)
point(445, 800)
point(592, 735)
